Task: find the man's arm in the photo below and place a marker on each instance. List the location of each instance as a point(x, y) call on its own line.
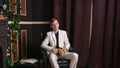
point(67, 43)
point(45, 43)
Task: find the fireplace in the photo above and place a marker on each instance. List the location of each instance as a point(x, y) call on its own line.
point(3, 55)
point(1, 58)
point(3, 43)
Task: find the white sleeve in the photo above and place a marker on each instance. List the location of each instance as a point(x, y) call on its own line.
point(45, 43)
point(67, 43)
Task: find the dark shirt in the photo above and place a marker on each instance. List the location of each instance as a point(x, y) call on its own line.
point(57, 39)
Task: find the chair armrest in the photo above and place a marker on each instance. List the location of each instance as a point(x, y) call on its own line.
point(44, 53)
point(71, 49)
point(45, 57)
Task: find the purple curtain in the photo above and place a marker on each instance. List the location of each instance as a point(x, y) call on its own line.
point(74, 16)
point(105, 39)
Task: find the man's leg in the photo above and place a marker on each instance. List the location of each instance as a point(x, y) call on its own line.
point(73, 57)
point(53, 60)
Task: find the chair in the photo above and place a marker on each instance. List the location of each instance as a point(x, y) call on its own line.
point(63, 63)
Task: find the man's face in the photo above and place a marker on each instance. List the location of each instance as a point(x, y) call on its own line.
point(55, 25)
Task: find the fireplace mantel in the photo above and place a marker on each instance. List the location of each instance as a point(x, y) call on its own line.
point(3, 41)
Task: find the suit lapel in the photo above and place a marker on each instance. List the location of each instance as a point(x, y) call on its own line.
point(54, 38)
point(60, 37)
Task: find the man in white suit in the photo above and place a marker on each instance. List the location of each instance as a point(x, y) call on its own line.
point(58, 39)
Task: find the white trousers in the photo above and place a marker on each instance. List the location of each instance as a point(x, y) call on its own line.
point(73, 57)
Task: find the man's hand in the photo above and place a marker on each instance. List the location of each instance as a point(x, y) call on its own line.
point(65, 49)
point(54, 50)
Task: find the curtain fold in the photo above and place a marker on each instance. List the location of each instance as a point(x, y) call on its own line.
point(116, 48)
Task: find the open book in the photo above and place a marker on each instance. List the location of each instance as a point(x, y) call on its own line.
point(32, 61)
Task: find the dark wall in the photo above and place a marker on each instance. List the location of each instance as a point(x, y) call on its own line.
point(28, 16)
point(42, 10)
point(37, 38)
point(34, 39)
point(29, 38)
point(37, 10)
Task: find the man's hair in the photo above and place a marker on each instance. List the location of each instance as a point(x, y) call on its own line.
point(52, 20)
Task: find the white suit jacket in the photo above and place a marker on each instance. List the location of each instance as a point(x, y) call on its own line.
point(51, 39)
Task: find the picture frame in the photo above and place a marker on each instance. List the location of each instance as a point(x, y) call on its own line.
point(23, 11)
point(24, 43)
